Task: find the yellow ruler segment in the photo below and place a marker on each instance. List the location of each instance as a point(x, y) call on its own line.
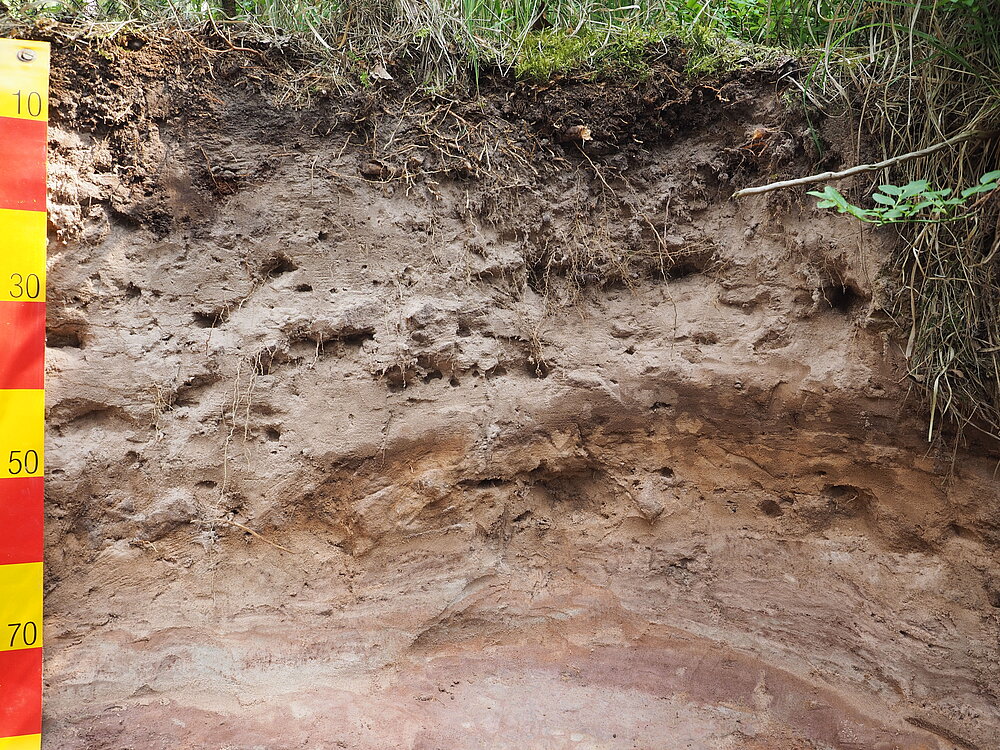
point(22, 256)
point(24, 742)
point(21, 606)
point(24, 79)
point(22, 434)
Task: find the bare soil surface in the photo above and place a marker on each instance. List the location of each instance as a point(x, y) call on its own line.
point(400, 420)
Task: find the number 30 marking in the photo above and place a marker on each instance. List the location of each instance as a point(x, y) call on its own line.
point(29, 286)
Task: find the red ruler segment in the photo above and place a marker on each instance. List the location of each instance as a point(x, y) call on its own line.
point(22, 152)
point(21, 520)
point(24, 71)
point(20, 696)
point(22, 345)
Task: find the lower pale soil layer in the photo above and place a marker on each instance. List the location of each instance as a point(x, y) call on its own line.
point(361, 437)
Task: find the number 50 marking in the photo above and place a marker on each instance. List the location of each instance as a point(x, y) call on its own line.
point(17, 465)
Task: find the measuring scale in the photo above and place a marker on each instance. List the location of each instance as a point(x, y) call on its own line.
point(24, 76)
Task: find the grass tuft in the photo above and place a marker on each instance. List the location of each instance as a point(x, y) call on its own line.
point(535, 39)
point(913, 75)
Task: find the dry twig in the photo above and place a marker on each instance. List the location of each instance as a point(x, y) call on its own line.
point(827, 176)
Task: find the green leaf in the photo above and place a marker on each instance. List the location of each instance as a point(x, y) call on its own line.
point(833, 195)
point(890, 189)
point(977, 189)
point(914, 188)
point(993, 176)
point(879, 198)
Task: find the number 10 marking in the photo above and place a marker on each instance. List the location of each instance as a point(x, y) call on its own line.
point(32, 102)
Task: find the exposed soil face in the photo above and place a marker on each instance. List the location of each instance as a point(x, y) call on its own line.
point(400, 422)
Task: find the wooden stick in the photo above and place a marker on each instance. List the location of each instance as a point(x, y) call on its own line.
point(825, 176)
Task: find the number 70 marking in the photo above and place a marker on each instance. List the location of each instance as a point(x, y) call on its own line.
point(27, 630)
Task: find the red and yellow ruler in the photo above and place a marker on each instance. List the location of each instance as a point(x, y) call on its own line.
point(24, 82)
